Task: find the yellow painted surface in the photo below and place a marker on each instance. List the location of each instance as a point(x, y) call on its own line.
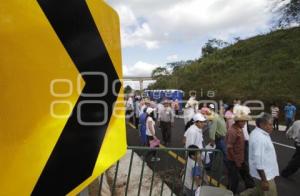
point(31, 57)
point(113, 148)
point(107, 21)
point(114, 144)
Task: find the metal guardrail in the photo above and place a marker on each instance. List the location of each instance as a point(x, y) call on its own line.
point(168, 170)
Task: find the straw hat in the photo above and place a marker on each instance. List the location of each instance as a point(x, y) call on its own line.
point(191, 103)
point(241, 113)
point(146, 100)
point(211, 115)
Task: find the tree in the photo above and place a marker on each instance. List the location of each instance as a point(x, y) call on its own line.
point(175, 66)
point(208, 49)
point(212, 46)
point(159, 72)
point(237, 39)
point(289, 14)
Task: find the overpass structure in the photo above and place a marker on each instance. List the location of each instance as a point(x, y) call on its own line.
point(140, 79)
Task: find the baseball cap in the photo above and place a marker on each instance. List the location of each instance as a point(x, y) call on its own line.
point(149, 110)
point(212, 106)
point(199, 117)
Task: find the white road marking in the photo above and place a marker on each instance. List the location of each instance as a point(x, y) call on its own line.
point(287, 146)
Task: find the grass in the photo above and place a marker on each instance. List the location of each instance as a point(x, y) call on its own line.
point(265, 67)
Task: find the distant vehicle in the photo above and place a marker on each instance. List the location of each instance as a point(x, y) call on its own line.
point(171, 94)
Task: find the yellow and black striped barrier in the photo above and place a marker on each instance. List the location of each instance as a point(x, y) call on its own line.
point(59, 61)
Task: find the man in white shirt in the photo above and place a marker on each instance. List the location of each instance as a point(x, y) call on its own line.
point(160, 107)
point(166, 122)
point(262, 157)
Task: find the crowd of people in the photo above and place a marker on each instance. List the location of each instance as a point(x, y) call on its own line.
point(249, 155)
point(289, 115)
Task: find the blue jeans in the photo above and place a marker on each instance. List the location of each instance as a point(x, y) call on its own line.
point(221, 145)
point(288, 123)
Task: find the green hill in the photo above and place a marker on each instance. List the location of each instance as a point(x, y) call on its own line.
point(265, 67)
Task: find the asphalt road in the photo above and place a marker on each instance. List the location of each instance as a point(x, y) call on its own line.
point(169, 167)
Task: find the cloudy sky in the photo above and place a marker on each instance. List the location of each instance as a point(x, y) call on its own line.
point(154, 32)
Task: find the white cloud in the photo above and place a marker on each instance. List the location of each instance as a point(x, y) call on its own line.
point(152, 44)
point(139, 69)
point(165, 24)
point(172, 57)
point(193, 19)
point(127, 17)
point(135, 32)
point(156, 21)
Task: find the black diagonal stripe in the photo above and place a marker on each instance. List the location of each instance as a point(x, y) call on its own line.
point(74, 156)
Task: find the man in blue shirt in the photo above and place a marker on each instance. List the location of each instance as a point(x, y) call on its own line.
point(290, 112)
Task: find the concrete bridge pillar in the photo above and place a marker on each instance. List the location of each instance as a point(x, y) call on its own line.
point(141, 84)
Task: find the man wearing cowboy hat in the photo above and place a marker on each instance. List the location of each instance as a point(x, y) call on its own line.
point(166, 121)
point(235, 144)
point(217, 131)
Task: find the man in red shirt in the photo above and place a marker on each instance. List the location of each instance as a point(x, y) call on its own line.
point(235, 143)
